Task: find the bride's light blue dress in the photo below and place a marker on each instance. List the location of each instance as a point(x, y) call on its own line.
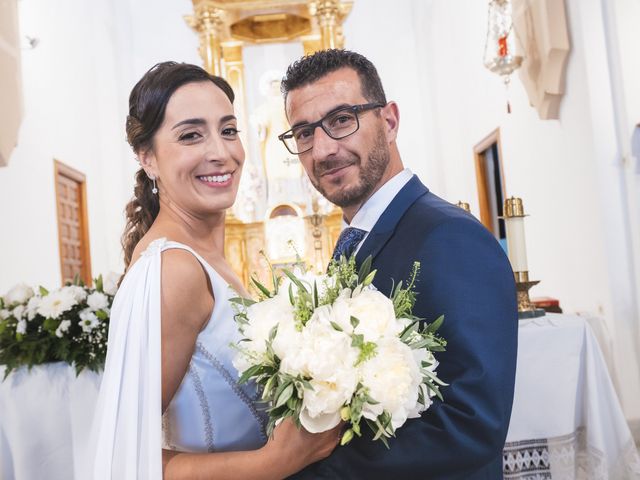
point(210, 411)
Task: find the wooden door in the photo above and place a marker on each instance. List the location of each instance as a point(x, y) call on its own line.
point(490, 181)
point(73, 227)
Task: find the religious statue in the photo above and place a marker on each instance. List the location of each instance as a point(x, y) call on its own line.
point(282, 169)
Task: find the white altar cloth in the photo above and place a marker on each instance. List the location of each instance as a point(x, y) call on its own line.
point(45, 416)
point(566, 421)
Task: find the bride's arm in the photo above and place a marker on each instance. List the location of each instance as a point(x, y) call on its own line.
point(289, 451)
point(187, 303)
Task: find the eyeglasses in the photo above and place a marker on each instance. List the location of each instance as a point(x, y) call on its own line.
point(337, 124)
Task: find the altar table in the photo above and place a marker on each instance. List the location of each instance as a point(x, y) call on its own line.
point(566, 421)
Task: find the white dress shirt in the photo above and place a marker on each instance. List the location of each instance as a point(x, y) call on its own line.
point(373, 208)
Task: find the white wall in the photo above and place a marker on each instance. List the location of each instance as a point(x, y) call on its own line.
point(70, 114)
point(623, 18)
point(394, 39)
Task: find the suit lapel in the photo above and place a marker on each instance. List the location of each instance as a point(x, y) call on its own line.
point(386, 224)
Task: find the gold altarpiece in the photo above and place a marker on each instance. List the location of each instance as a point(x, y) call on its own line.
point(224, 27)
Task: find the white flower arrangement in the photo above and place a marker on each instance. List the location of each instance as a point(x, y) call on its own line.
point(69, 324)
point(332, 347)
point(19, 294)
point(54, 304)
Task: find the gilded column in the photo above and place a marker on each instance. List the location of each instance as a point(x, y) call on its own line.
point(329, 15)
point(311, 44)
point(208, 21)
point(235, 250)
point(233, 72)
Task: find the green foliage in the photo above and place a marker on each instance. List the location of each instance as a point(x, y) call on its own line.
point(40, 344)
point(367, 349)
point(405, 298)
point(302, 300)
point(264, 291)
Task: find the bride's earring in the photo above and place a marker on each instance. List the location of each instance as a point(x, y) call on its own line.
point(154, 190)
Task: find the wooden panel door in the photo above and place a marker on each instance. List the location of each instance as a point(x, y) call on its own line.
point(73, 227)
point(490, 182)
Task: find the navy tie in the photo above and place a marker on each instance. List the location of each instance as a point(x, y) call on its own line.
point(347, 242)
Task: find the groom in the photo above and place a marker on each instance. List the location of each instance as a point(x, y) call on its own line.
point(344, 131)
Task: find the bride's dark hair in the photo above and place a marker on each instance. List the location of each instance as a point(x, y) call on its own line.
point(147, 104)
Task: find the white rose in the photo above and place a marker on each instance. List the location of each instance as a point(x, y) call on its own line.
point(63, 327)
point(97, 301)
point(78, 293)
point(330, 360)
point(287, 345)
point(4, 314)
point(328, 352)
point(18, 294)
point(326, 355)
point(321, 406)
point(88, 320)
point(376, 314)
point(32, 306)
point(18, 312)
point(393, 378)
point(338, 313)
point(21, 328)
point(326, 397)
point(263, 316)
point(319, 423)
point(422, 355)
point(56, 303)
point(110, 283)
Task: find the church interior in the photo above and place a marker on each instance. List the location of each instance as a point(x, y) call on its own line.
point(526, 113)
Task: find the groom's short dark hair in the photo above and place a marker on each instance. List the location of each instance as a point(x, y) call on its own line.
point(313, 67)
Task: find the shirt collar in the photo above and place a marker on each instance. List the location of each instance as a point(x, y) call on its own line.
point(375, 206)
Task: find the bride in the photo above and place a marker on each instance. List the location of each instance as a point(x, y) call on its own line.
point(169, 403)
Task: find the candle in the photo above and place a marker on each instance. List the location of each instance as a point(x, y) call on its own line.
point(516, 244)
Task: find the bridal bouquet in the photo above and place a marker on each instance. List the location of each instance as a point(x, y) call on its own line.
point(332, 347)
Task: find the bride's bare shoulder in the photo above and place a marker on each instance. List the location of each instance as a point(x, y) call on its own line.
point(185, 289)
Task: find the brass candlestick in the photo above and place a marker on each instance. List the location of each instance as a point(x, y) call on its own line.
point(514, 222)
point(525, 308)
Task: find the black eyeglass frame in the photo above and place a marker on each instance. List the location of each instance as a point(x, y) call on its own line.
point(356, 109)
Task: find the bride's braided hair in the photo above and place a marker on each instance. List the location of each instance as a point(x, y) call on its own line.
point(147, 104)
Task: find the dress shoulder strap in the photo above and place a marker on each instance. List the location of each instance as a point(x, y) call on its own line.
point(172, 245)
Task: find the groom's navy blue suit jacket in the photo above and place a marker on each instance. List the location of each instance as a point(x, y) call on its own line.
point(466, 277)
